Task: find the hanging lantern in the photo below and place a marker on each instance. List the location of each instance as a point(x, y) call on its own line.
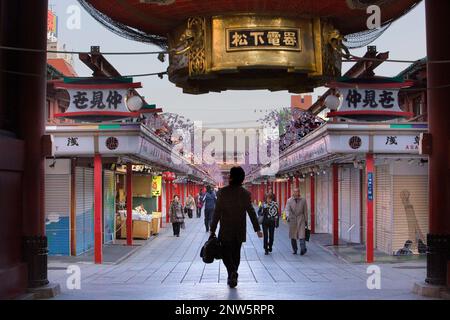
point(135, 103)
point(219, 45)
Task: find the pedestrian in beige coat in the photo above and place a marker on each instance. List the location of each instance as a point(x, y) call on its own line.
point(297, 217)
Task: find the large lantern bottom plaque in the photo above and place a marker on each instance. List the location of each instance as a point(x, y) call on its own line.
point(245, 52)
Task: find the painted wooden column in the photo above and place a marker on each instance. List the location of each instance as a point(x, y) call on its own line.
point(168, 196)
point(279, 194)
point(129, 187)
point(438, 239)
point(297, 182)
point(335, 204)
point(160, 199)
point(261, 192)
point(286, 188)
point(313, 204)
point(289, 189)
point(98, 209)
point(181, 189)
point(369, 203)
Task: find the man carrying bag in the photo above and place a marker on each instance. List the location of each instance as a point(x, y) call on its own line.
point(233, 204)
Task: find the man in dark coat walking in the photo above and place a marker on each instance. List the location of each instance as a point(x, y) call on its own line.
point(233, 202)
point(209, 200)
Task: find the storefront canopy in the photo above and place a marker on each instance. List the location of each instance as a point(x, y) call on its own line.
point(129, 141)
point(334, 141)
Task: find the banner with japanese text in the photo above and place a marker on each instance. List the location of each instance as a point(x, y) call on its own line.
point(156, 186)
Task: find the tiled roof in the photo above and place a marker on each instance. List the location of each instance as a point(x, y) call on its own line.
point(62, 66)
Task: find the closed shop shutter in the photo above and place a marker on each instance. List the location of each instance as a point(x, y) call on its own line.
point(322, 208)
point(57, 213)
point(410, 210)
point(109, 206)
point(344, 202)
point(383, 209)
point(84, 193)
point(79, 211)
point(89, 208)
point(355, 206)
point(308, 196)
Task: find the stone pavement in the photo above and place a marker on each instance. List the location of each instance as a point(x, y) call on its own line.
point(170, 268)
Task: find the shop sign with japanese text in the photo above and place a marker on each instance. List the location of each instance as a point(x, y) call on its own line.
point(369, 100)
point(397, 143)
point(263, 39)
point(96, 101)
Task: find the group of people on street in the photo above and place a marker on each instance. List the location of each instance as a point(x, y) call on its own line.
point(229, 207)
point(204, 201)
point(234, 203)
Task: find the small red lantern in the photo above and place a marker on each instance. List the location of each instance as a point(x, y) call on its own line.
point(168, 176)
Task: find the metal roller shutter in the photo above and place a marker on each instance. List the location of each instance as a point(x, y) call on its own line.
point(84, 193)
point(79, 210)
point(355, 206)
point(308, 196)
point(383, 209)
point(89, 208)
point(344, 202)
point(57, 213)
point(109, 206)
point(410, 210)
point(322, 210)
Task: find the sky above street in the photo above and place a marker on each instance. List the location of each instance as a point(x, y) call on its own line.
point(405, 40)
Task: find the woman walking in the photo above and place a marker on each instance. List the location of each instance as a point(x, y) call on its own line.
point(190, 206)
point(176, 215)
point(270, 221)
point(199, 202)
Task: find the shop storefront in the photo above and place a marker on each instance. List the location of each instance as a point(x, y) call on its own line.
point(400, 191)
point(71, 185)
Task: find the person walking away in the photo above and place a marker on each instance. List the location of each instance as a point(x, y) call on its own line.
point(271, 220)
point(233, 202)
point(190, 206)
point(200, 203)
point(176, 215)
point(297, 217)
point(209, 200)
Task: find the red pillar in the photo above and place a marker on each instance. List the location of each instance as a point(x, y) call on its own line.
point(98, 209)
point(297, 182)
point(168, 187)
point(160, 209)
point(313, 204)
point(335, 204)
point(289, 191)
point(181, 189)
point(370, 185)
point(286, 187)
point(438, 239)
point(129, 204)
point(279, 194)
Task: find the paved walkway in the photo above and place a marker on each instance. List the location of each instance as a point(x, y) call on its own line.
point(170, 268)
